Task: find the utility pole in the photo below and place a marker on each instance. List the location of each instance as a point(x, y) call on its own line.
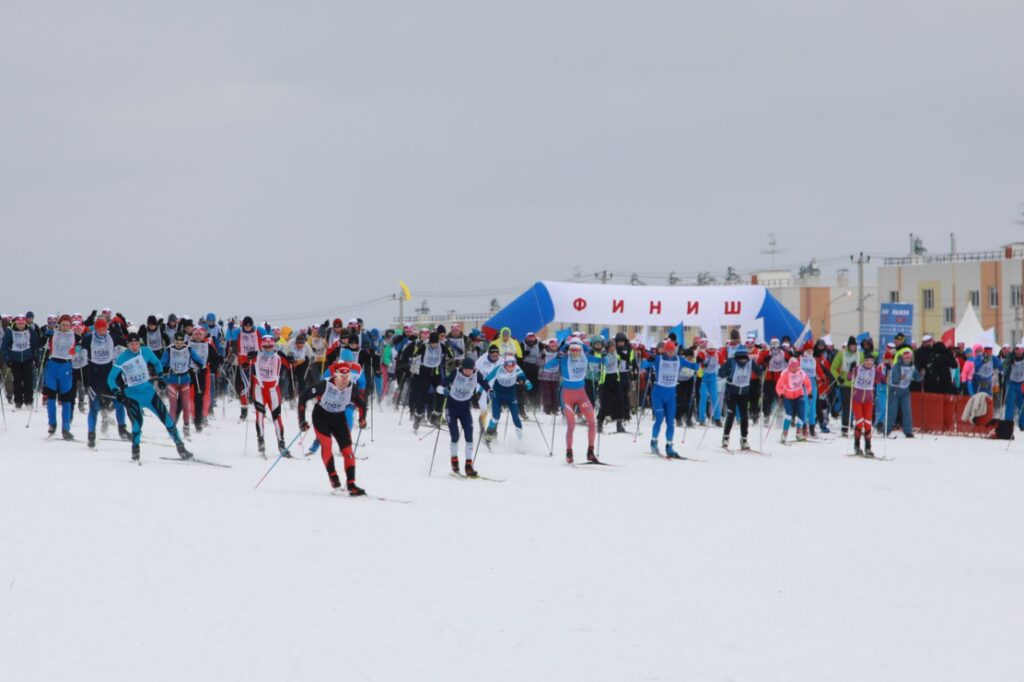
point(861, 259)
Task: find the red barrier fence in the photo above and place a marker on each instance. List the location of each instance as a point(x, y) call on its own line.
point(940, 414)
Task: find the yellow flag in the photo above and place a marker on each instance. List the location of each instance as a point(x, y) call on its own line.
point(405, 290)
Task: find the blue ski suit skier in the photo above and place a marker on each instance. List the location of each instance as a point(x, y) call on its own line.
point(662, 377)
point(61, 346)
point(708, 359)
point(901, 375)
point(1013, 378)
point(504, 382)
point(100, 345)
point(737, 372)
point(458, 387)
point(131, 370)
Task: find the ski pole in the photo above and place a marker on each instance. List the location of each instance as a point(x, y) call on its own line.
point(279, 458)
point(643, 407)
point(551, 451)
point(541, 429)
point(39, 387)
point(707, 424)
point(444, 404)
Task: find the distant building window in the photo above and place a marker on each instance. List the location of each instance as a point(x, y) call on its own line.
point(1015, 298)
point(929, 299)
point(894, 297)
point(947, 315)
point(974, 297)
point(993, 297)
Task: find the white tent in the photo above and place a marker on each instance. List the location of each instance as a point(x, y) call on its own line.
point(970, 332)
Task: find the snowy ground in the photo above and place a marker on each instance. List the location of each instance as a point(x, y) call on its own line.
point(806, 565)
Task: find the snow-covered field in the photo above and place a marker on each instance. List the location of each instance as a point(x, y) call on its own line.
point(806, 565)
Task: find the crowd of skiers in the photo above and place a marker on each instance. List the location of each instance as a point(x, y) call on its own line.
point(108, 367)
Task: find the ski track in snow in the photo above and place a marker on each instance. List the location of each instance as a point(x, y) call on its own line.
point(806, 565)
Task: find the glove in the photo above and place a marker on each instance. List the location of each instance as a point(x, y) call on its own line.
point(161, 383)
point(529, 386)
point(362, 422)
point(303, 426)
point(441, 390)
point(120, 397)
point(251, 355)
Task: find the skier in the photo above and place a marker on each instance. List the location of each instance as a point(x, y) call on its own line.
point(129, 379)
point(459, 386)
point(685, 388)
point(864, 377)
point(708, 359)
point(79, 363)
point(533, 362)
point(986, 366)
point(774, 360)
point(100, 345)
point(179, 360)
point(1012, 380)
point(575, 364)
point(485, 364)
point(737, 372)
point(813, 370)
point(549, 376)
point(19, 347)
point(204, 374)
point(246, 347)
point(842, 364)
point(793, 386)
point(503, 382)
point(903, 373)
point(61, 347)
point(266, 392)
point(432, 356)
point(663, 377)
point(333, 395)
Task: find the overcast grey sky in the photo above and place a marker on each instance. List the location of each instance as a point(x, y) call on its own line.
point(294, 157)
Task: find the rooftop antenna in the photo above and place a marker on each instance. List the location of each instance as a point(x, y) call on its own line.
point(773, 248)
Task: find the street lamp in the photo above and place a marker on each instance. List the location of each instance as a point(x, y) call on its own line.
point(846, 294)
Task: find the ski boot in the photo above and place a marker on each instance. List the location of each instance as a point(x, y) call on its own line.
point(122, 432)
point(670, 452)
point(744, 445)
point(186, 432)
point(416, 421)
point(350, 486)
point(812, 431)
point(845, 432)
point(52, 429)
point(591, 457)
point(619, 427)
point(654, 447)
point(568, 456)
point(135, 452)
point(261, 446)
point(182, 452)
point(600, 426)
point(282, 449)
point(335, 482)
point(67, 435)
point(199, 426)
point(725, 442)
point(824, 428)
point(91, 440)
point(490, 434)
point(867, 448)
point(783, 438)
point(718, 423)
point(244, 414)
point(856, 446)
point(455, 464)
point(470, 471)
point(801, 435)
